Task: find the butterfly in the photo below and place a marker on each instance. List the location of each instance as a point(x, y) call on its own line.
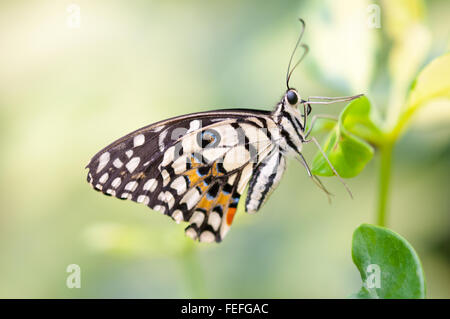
point(195, 168)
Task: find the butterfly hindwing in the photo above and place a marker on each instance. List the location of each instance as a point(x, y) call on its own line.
point(213, 206)
point(193, 168)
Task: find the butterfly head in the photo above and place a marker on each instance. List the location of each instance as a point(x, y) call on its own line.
point(292, 97)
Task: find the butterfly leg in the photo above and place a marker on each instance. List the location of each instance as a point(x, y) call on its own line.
point(314, 140)
point(314, 178)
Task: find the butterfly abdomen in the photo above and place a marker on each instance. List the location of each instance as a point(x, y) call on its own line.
point(265, 179)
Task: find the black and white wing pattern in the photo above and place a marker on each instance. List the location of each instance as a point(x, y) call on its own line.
point(194, 168)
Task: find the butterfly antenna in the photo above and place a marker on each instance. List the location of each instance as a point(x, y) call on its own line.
point(305, 51)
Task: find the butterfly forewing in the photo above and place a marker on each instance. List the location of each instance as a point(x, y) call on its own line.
point(193, 168)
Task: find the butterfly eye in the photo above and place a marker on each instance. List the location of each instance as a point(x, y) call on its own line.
point(292, 97)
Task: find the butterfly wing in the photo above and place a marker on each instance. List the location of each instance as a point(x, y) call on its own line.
point(193, 168)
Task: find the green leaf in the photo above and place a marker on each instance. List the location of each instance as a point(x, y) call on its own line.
point(322, 125)
point(410, 40)
point(432, 82)
point(361, 119)
point(347, 146)
point(388, 264)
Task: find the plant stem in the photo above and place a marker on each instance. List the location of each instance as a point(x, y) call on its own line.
point(192, 271)
point(384, 182)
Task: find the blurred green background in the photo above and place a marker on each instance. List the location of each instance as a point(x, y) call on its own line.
point(67, 92)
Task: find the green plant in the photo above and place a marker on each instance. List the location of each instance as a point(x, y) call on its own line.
point(361, 132)
point(388, 264)
point(350, 145)
point(364, 131)
point(352, 141)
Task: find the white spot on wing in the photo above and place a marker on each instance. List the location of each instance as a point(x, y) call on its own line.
point(214, 153)
point(214, 220)
point(129, 153)
point(191, 198)
point(138, 140)
point(224, 229)
point(104, 178)
point(162, 197)
point(228, 135)
point(178, 216)
point(168, 156)
point(161, 138)
point(194, 125)
point(235, 158)
point(197, 218)
point(117, 163)
point(102, 161)
point(190, 144)
point(159, 208)
point(179, 184)
point(116, 182)
point(132, 164)
point(158, 128)
point(179, 165)
point(231, 179)
point(245, 177)
point(131, 186)
point(150, 185)
point(170, 200)
point(191, 233)
point(143, 199)
point(165, 176)
point(207, 237)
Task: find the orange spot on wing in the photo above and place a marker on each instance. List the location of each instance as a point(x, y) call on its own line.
point(230, 215)
point(205, 204)
point(223, 199)
point(193, 176)
point(140, 175)
point(215, 170)
point(203, 187)
point(194, 162)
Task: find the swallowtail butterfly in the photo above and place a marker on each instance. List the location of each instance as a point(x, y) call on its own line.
point(194, 168)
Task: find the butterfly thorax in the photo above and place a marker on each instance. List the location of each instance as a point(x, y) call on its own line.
point(290, 125)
